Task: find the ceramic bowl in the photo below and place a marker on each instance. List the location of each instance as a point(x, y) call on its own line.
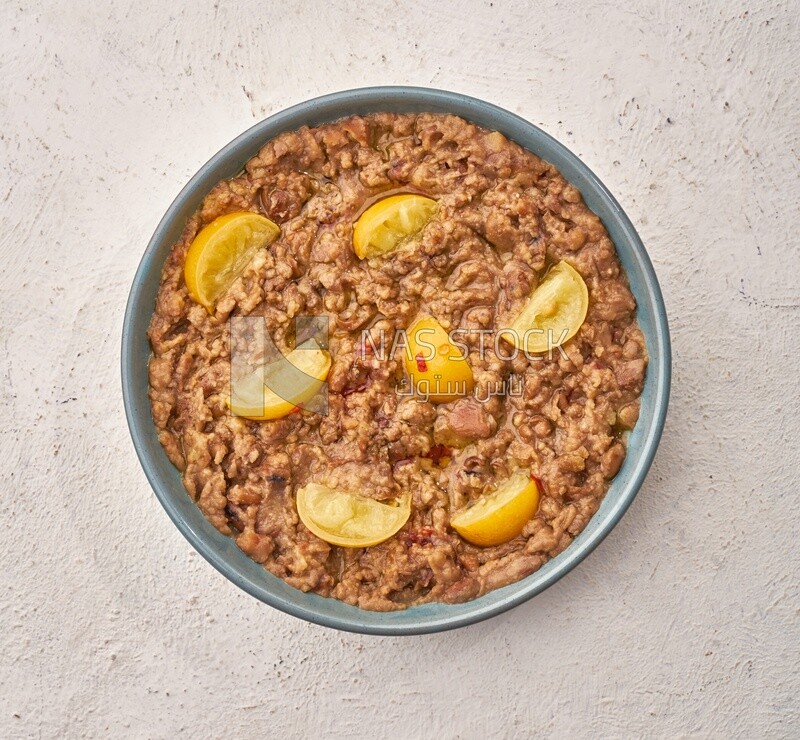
point(221, 551)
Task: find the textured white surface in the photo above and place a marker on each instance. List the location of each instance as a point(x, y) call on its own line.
point(685, 620)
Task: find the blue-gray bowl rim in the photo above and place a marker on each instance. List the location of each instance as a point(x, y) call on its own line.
point(218, 549)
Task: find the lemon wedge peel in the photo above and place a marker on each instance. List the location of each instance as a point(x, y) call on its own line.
point(281, 387)
point(554, 313)
point(500, 515)
point(436, 367)
point(348, 520)
point(390, 222)
point(221, 252)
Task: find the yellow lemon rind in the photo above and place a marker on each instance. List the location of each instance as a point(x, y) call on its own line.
point(501, 515)
point(314, 364)
point(349, 512)
point(536, 331)
point(241, 235)
point(370, 236)
point(455, 378)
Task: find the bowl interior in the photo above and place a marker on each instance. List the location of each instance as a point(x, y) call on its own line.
point(220, 550)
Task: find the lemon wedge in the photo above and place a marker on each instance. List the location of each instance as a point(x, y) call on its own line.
point(281, 387)
point(348, 520)
point(500, 516)
point(387, 223)
point(221, 251)
point(437, 368)
point(554, 311)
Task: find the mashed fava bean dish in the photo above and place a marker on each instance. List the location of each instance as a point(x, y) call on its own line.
point(396, 359)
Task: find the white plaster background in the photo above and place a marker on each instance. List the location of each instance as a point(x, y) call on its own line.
point(683, 622)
